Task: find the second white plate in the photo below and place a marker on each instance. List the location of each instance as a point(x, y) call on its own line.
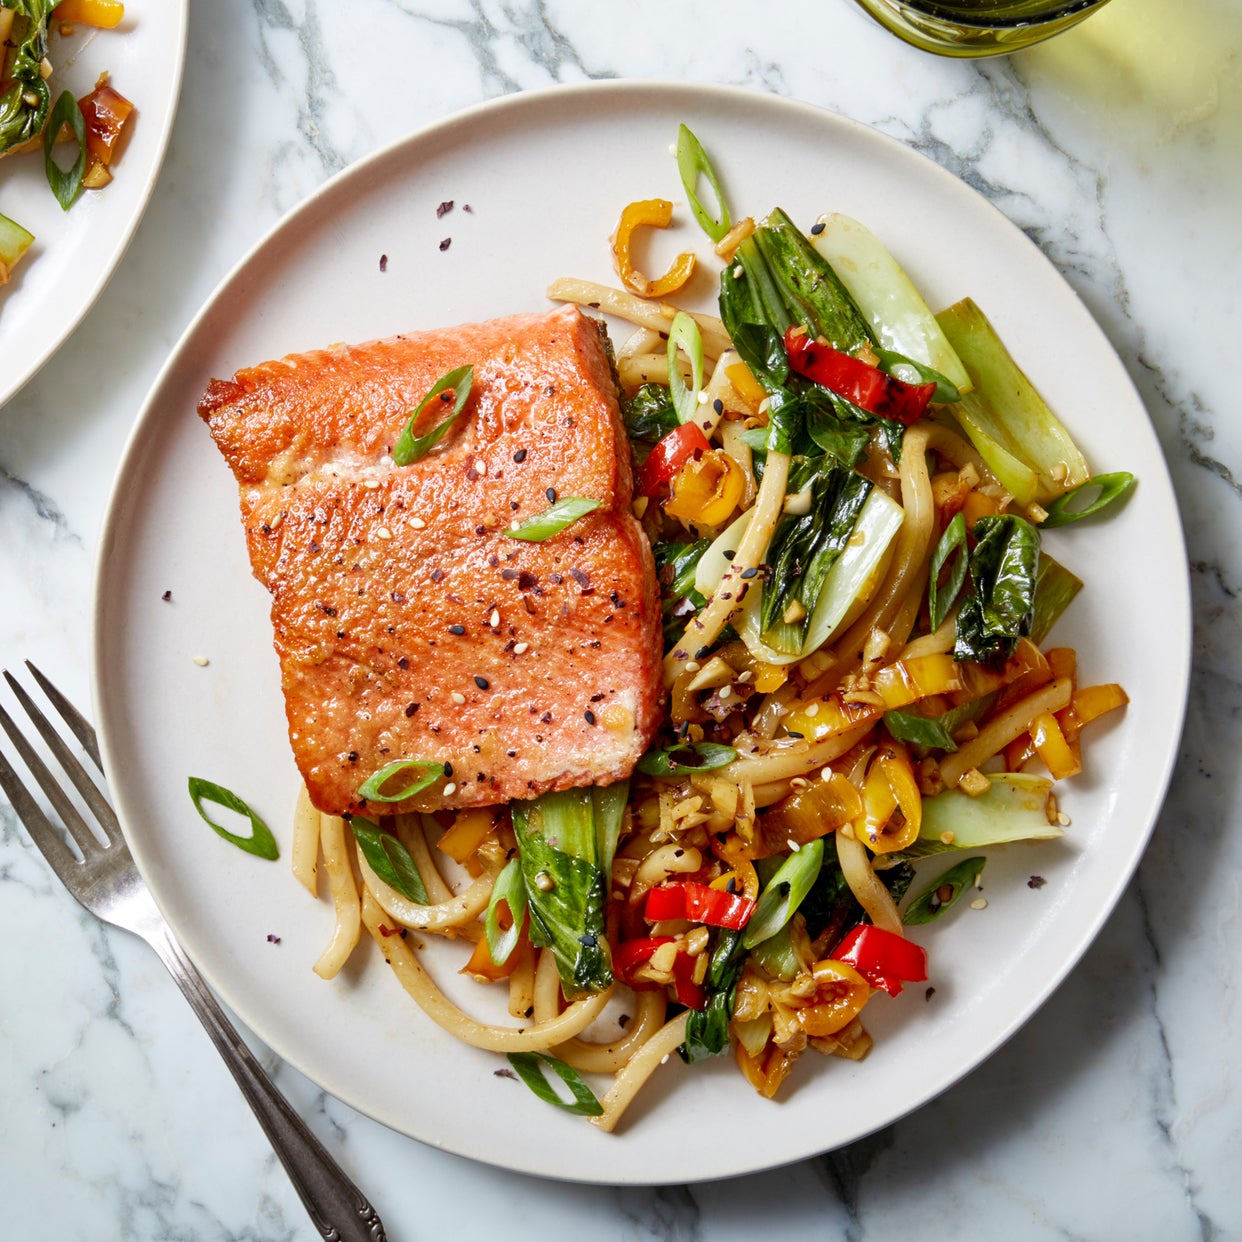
point(536, 184)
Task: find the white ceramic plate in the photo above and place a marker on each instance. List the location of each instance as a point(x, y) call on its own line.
point(76, 251)
point(545, 176)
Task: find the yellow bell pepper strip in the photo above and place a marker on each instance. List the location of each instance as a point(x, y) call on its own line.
point(890, 786)
point(1051, 746)
point(821, 807)
point(105, 14)
point(707, 489)
point(654, 213)
point(840, 994)
point(885, 959)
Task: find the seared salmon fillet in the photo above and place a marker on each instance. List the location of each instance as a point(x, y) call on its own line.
point(408, 623)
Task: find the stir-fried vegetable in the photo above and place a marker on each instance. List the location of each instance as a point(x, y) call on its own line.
point(25, 98)
point(566, 842)
point(14, 242)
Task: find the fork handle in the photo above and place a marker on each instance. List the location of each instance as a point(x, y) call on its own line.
point(337, 1207)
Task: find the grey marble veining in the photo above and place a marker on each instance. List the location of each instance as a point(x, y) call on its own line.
point(1117, 1113)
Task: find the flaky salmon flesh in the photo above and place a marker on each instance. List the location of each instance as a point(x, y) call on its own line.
point(408, 623)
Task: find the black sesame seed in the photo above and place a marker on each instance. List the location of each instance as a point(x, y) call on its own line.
point(481, 682)
point(448, 769)
point(718, 406)
point(520, 456)
point(551, 494)
point(589, 717)
point(749, 573)
point(459, 630)
point(817, 229)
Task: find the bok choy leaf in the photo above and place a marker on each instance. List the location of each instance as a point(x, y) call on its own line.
point(1011, 426)
point(566, 841)
point(1000, 605)
point(1014, 807)
point(805, 547)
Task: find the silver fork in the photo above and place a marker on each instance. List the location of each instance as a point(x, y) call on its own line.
point(108, 884)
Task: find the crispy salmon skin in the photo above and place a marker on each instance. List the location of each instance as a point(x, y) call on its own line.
point(409, 624)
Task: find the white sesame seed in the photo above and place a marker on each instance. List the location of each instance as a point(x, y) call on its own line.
point(520, 648)
point(458, 697)
point(371, 484)
point(417, 523)
point(382, 532)
point(812, 711)
point(702, 397)
point(979, 903)
point(450, 789)
point(494, 619)
point(946, 838)
point(693, 666)
point(726, 692)
point(201, 661)
point(793, 845)
point(743, 678)
point(1062, 819)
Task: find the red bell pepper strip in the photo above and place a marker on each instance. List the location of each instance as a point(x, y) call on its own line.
point(883, 958)
point(629, 955)
point(688, 899)
point(857, 381)
point(669, 455)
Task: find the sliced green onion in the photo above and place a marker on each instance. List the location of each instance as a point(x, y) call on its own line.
point(411, 448)
point(930, 904)
point(914, 372)
point(390, 860)
point(687, 757)
point(1076, 503)
point(565, 512)
point(529, 1068)
point(684, 335)
point(372, 789)
point(260, 842)
point(692, 162)
point(511, 889)
point(952, 546)
point(66, 183)
point(784, 892)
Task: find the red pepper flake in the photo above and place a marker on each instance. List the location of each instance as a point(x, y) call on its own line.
point(506, 1072)
point(446, 243)
point(383, 263)
point(527, 581)
point(167, 597)
point(390, 931)
point(546, 718)
point(1036, 881)
point(411, 709)
point(437, 575)
point(581, 577)
point(398, 597)
point(271, 939)
point(444, 208)
point(467, 207)
point(929, 994)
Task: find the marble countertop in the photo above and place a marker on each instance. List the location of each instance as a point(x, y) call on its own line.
point(1116, 1112)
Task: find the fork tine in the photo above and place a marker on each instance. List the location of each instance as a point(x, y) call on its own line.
point(72, 768)
point(82, 728)
point(41, 831)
